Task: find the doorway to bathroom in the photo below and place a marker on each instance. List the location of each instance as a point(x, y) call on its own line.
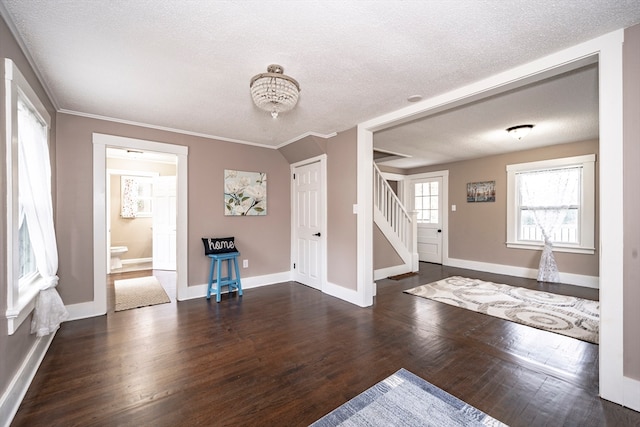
point(141, 210)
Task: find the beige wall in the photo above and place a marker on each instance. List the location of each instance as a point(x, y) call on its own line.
point(383, 253)
point(303, 149)
point(631, 148)
point(134, 233)
point(341, 196)
point(477, 231)
point(263, 240)
point(341, 222)
point(15, 348)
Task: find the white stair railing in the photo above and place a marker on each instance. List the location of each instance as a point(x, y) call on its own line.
point(398, 225)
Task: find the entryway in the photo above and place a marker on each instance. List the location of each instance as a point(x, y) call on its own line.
point(429, 198)
point(177, 198)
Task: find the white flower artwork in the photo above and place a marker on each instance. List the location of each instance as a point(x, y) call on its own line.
point(245, 193)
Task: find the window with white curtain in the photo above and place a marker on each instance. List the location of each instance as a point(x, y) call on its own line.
point(552, 199)
point(25, 116)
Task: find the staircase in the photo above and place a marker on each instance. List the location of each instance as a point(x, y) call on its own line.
point(397, 225)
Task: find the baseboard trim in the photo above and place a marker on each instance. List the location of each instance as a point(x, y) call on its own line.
point(349, 295)
point(136, 261)
point(11, 399)
point(200, 291)
point(528, 273)
point(83, 310)
point(383, 273)
point(631, 393)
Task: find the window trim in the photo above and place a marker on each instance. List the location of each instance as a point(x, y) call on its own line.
point(587, 204)
point(20, 299)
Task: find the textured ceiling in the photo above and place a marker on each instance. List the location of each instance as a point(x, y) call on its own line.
point(186, 65)
point(562, 109)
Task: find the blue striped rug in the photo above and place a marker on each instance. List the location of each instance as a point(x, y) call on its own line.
point(406, 400)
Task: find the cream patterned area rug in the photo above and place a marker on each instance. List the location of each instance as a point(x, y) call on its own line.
point(575, 317)
point(139, 292)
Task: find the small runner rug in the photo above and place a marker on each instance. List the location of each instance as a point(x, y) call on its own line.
point(406, 400)
point(571, 316)
point(139, 292)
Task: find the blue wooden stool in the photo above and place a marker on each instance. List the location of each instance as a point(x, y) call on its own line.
point(216, 265)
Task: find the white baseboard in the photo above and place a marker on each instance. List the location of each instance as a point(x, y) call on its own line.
point(11, 399)
point(136, 261)
point(383, 273)
point(83, 310)
point(348, 295)
point(529, 273)
point(89, 309)
point(200, 291)
point(631, 393)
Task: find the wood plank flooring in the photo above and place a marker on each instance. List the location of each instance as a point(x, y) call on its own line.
point(286, 354)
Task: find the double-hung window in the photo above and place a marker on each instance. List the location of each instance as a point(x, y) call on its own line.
point(27, 122)
point(552, 200)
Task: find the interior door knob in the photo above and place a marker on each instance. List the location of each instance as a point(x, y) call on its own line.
point(317, 234)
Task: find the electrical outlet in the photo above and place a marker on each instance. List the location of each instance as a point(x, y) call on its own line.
point(245, 263)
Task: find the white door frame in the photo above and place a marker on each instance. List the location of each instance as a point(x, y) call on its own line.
point(408, 191)
point(607, 51)
point(323, 199)
point(100, 144)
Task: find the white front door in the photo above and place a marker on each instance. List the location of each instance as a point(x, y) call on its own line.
point(427, 201)
point(308, 212)
point(164, 223)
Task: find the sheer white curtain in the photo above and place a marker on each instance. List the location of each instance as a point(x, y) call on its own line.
point(35, 199)
point(548, 196)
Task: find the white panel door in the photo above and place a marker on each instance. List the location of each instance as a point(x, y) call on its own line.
point(427, 201)
point(164, 223)
point(308, 217)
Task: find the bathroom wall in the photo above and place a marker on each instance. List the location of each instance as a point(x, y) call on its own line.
point(135, 233)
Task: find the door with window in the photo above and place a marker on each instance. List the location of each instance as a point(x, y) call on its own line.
point(427, 202)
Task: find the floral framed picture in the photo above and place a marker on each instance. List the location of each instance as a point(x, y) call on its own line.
point(245, 193)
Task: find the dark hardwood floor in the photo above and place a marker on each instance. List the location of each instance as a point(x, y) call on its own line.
point(285, 355)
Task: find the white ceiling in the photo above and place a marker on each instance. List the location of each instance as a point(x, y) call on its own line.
point(186, 65)
point(562, 109)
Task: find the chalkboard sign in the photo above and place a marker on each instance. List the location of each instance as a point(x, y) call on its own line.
point(218, 245)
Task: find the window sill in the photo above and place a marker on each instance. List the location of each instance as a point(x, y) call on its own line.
point(556, 248)
point(26, 304)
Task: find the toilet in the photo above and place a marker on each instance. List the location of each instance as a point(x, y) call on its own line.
point(116, 253)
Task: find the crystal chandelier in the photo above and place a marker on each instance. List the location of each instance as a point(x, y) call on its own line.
point(274, 91)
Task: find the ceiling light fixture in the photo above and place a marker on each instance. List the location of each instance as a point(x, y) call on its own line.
point(520, 131)
point(274, 91)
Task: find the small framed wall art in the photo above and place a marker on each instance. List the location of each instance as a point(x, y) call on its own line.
point(245, 193)
point(481, 191)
